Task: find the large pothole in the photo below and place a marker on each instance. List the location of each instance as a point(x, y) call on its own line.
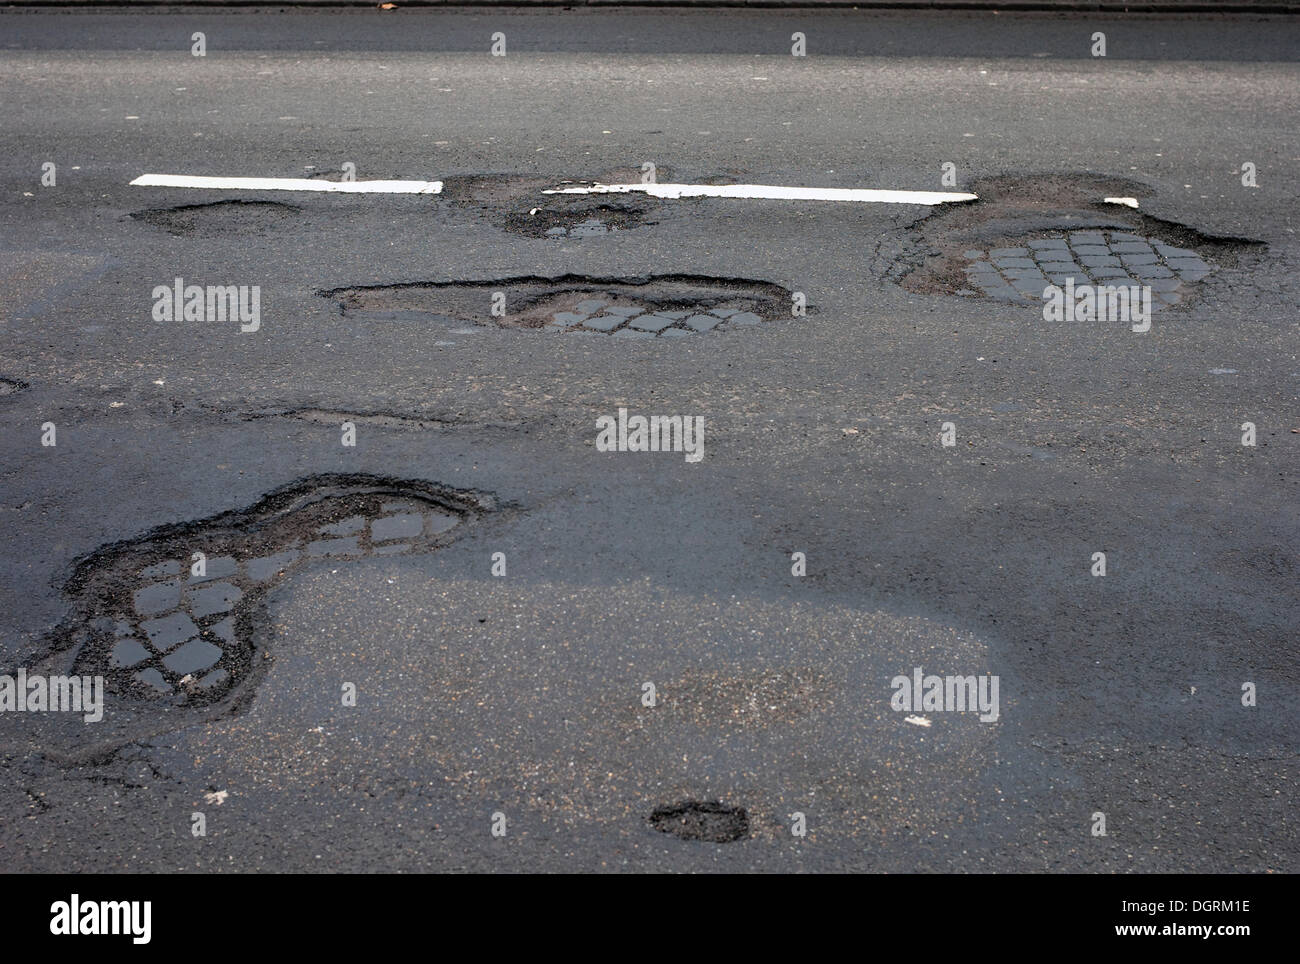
point(171, 616)
point(659, 306)
point(1027, 233)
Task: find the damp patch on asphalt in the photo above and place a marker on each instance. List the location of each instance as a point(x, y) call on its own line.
point(659, 306)
point(709, 821)
point(165, 626)
point(220, 218)
point(1030, 232)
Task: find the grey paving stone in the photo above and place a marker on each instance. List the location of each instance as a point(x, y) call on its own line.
point(1014, 262)
point(1096, 261)
point(334, 547)
point(1131, 247)
point(213, 598)
point(260, 570)
point(568, 318)
point(1132, 260)
point(590, 306)
point(654, 323)
point(1031, 288)
point(675, 315)
point(1023, 274)
point(193, 657)
point(1102, 274)
point(348, 526)
point(623, 311)
point(128, 652)
point(213, 679)
point(744, 318)
point(169, 631)
point(161, 570)
point(1060, 267)
point(1087, 237)
point(158, 598)
point(998, 288)
point(1008, 253)
point(604, 322)
point(1078, 278)
point(1121, 236)
point(1091, 250)
point(1169, 251)
point(724, 312)
point(405, 526)
point(151, 677)
point(439, 522)
point(973, 254)
point(224, 630)
point(1187, 264)
point(1153, 271)
point(703, 322)
point(220, 567)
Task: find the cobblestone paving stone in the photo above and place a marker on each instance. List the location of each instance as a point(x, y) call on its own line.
point(1086, 258)
point(594, 315)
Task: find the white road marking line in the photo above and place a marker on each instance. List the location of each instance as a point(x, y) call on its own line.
point(771, 192)
point(1130, 202)
point(288, 184)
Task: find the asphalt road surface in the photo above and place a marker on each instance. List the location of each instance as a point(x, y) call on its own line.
point(444, 663)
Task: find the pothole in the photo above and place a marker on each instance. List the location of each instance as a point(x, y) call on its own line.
point(162, 623)
point(1026, 233)
point(217, 218)
point(708, 821)
point(12, 386)
point(660, 306)
point(578, 222)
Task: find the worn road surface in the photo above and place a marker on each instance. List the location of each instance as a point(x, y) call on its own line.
point(389, 693)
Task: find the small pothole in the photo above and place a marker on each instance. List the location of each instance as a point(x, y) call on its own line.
point(232, 217)
point(709, 821)
point(11, 386)
point(660, 306)
point(577, 223)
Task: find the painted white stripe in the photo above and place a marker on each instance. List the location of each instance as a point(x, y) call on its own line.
point(771, 192)
point(1129, 202)
point(288, 184)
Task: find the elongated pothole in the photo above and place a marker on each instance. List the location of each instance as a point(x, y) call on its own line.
point(1025, 234)
point(658, 306)
point(707, 820)
point(172, 616)
point(218, 218)
point(577, 222)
